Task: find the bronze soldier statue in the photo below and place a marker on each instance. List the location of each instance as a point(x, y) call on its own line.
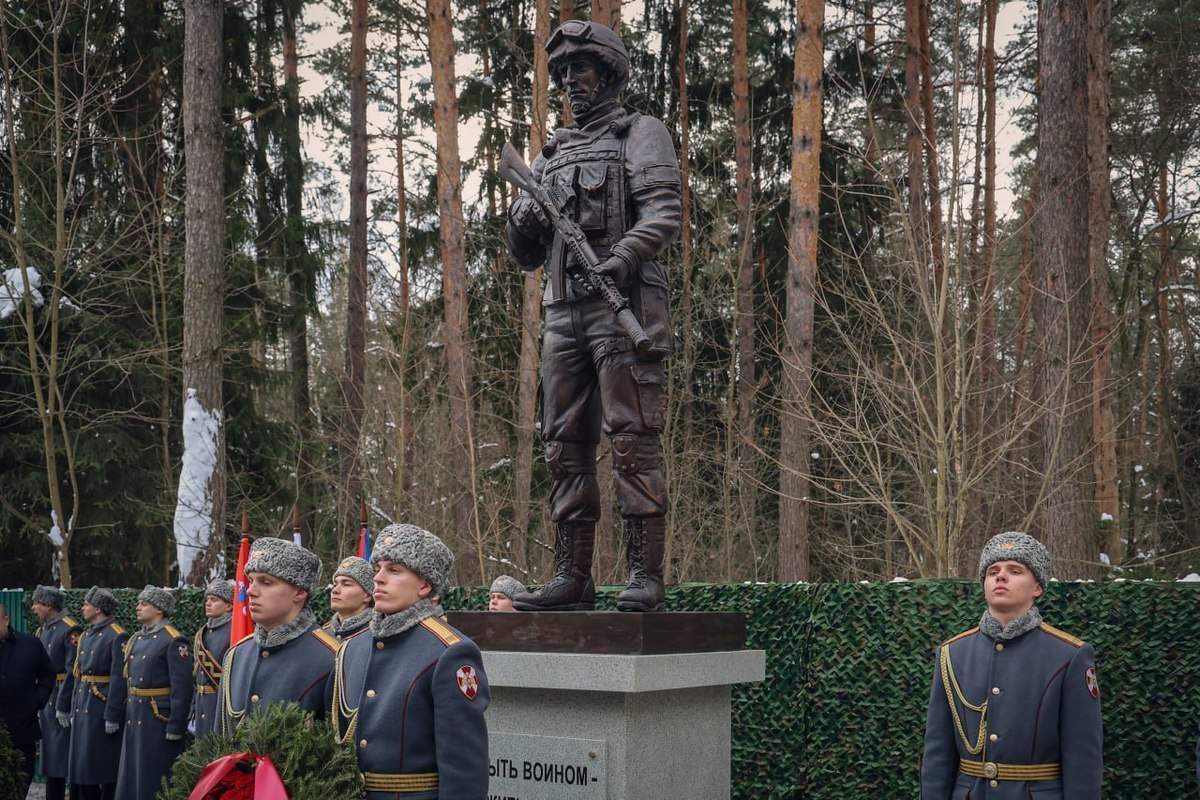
point(613, 175)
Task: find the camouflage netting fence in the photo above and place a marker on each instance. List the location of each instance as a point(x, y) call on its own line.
point(841, 713)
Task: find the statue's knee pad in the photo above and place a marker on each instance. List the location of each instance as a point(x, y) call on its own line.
point(633, 453)
point(570, 458)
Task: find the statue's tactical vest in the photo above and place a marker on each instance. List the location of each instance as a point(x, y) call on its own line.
point(591, 172)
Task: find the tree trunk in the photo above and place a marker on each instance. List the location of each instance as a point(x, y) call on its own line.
point(405, 430)
point(301, 284)
point(795, 530)
point(200, 512)
point(354, 363)
point(931, 155)
point(1068, 510)
point(917, 218)
point(607, 12)
point(678, 429)
point(1104, 462)
point(747, 378)
point(470, 568)
point(531, 311)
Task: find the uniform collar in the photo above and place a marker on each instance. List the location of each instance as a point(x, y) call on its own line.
point(386, 625)
point(342, 627)
point(148, 630)
point(212, 623)
point(1020, 626)
point(287, 632)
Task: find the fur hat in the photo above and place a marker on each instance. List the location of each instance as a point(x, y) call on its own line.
point(221, 589)
point(358, 570)
point(507, 585)
point(51, 596)
point(417, 549)
point(161, 599)
point(287, 561)
point(102, 599)
point(1017, 546)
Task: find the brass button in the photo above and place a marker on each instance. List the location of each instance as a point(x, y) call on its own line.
point(999, 647)
point(379, 645)
point(265, 654)
point(995, 690)
point(993, 737)
point(362, 742)
point(253, 698)
point(370, 692)
point(993, 784)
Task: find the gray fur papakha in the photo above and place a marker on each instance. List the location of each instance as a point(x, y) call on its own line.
point(417, 549)
point(102, 599)
point(221, 588)
point(161, 599)
point(287, 561)
point(51, 596)
point(358, 570)
point(507, 585)
point(1017, 546)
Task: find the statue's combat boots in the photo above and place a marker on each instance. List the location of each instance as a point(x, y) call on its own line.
point(571, 588)
point(644, 540)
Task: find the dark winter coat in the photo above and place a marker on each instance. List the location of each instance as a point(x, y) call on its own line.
point(1043, 708)
point(412, 707)
point(96, 696)
point(56, 637)
point(26, 681)
point(210, 646)
point(158, 677)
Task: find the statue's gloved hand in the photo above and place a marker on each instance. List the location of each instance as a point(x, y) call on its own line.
point(63, 718)
point(111, 727)
point(174, 737)
point(528, 217)
point(619, 265)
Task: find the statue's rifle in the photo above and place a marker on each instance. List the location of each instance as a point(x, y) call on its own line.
point(514, 170)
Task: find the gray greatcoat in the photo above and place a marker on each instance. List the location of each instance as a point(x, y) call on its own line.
point(209, 646)
point(158, 677)
point(56, 740)
point(1043, 707)
point(254, 675)
point(96, 696)
point(418, 700)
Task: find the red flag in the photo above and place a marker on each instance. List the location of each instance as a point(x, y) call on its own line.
point(364, 533)
point(242, 626)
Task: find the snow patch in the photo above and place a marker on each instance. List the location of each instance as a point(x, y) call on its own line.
point(1191, 577)
point(1105, 560)
point(1106, 517)
point(12, 291)
point(194, 505)
point(55, 535)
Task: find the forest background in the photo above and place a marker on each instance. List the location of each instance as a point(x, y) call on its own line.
point(874, 368)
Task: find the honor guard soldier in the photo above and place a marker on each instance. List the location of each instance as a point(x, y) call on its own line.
point(410, 696)
point(56, 634)
point(289, 656)
point(503, 590)
point(158, 679)
point(350, 598)
point(26, 681)
point(614, 173)
point(96, 699)
point(1015, 706)
point(209, 646)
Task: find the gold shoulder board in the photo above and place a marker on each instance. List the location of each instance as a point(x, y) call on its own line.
point(441, 630)
point(326, 638)
point(1066, 637)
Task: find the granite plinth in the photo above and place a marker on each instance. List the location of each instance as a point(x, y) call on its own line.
point(664, 718)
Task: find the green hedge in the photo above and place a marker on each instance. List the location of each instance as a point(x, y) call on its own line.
point(841, 713)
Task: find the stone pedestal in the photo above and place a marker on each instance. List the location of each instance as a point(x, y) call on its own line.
point(625, 725)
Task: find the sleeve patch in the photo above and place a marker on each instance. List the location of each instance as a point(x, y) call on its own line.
point(1093, 684)
point(468, 681)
